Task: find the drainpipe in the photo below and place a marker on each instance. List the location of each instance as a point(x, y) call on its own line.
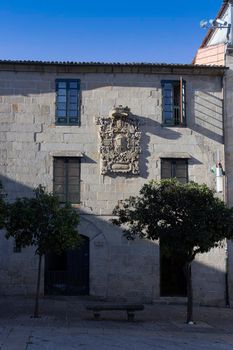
point(230, 45)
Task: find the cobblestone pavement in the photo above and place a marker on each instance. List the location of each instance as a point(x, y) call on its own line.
point(66, 325)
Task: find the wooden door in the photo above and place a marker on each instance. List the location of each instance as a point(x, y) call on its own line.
point(68, 273)
point(172, 277)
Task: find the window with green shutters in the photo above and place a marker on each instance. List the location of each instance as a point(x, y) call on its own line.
point(174, 102)
point(67, 102)
point(174, 168)
point(67, 179)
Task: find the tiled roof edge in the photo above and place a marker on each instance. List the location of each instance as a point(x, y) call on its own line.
point(73, 63)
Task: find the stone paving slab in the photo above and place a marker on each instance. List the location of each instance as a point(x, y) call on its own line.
point(68, 339)
point(66, 325)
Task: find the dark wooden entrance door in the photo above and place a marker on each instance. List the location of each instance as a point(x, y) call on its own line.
point(68, 274)
point(172, 277)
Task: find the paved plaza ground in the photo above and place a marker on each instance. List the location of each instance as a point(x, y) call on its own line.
point(66, 325)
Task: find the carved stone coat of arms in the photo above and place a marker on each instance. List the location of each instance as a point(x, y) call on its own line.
point(120, 142)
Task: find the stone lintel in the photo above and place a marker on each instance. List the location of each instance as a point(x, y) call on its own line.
point(67, 154)
point(180, 155)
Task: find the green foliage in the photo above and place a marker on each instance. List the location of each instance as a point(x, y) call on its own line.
point(187, 218)
point(41, 222)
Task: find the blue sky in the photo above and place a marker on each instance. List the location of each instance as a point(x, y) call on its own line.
point(106, 31)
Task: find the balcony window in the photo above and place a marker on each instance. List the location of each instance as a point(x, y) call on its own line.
point(174, 102)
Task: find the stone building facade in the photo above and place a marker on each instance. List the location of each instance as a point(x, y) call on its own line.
point(41, 145)
point(216, 49)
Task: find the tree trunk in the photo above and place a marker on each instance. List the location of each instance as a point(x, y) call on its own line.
point(36, 309)
point(188, 275)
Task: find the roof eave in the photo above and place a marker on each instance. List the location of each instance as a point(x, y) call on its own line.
point(100, 67)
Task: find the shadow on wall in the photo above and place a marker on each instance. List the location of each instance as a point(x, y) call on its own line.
point(117, 266)
point(150, 128)
point(149, 146)
point(119, 269)
point(208, 115)
point(130, 270)
point(14, 189)
point(17, 269)
point(206, 107)
point(200, 100)
point(43, 112)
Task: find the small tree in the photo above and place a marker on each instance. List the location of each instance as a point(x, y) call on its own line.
point(186, 218)
point(43, 223)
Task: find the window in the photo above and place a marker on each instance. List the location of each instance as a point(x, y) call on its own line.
point(177, 168)
point(174, 102)
point(67, 102)
point(67, 179)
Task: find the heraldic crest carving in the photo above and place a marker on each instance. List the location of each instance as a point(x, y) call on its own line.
point(120, 142)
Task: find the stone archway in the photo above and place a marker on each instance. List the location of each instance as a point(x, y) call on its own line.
point(95, 229)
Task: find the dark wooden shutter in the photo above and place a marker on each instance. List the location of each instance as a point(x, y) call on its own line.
point(67, 179)
point(59, 175)
point(181, 170)
point(73, 180)
point(174, 168)
point(166, 169)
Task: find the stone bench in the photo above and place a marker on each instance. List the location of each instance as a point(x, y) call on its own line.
point(129, 308)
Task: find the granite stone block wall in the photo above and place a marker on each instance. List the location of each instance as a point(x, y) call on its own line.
point(29, 139)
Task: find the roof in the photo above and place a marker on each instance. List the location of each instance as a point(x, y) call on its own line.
point(104, 67)
point(211, 31)
point(74, 63)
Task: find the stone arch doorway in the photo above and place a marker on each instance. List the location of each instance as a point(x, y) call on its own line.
point(68, 273)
